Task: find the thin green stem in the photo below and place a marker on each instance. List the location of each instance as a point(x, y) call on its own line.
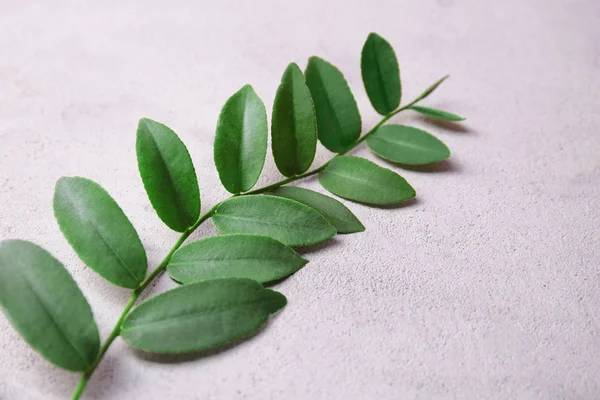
point(133, 298)
point(163, 265)
point(322, 167)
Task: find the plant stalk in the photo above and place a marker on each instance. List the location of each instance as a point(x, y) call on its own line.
point(163, 265)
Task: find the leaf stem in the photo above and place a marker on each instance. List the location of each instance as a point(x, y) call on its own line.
point(133, 298)
point(163, 265)
point(322, 167)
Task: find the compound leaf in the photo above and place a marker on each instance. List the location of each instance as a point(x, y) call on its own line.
point(338, 119)
point(285, 220)
point(241, 141)
point(337, 214)
point(200, 316)
point(407, 145)
point(361, 180)
point(260, 258)
point(437, 114)
point(381, 74)
point(99, 231)
point(168, 175)
point(294, 124)
point(46, 307)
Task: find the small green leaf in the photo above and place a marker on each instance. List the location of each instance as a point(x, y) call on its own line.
point(99, 231)
point(260, 258)
point(44, 304)
point(407, 145)
point(282, 219)
point(337, 214)
point(381, 74)
point(361, 180)
point(430, 89)
point(241, 141)
point(338, 119)
point(200, 316)
point(168, 175)
point(437, 114)
point(294, 124)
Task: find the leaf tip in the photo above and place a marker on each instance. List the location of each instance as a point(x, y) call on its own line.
point(277, 301)
point(374, 36)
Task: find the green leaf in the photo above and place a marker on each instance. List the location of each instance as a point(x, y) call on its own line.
point(407, 145)
point(100, 233)
point(168, 175)
point(44, 304)
point(200, 316)
point(282, 219)
point(293, 125)
point(437, 114)
point(430, 89)
point(357, 179)
point(338, 119)
point(241, 141)
point(260, 258)
point(337, 214)
point(381, 74)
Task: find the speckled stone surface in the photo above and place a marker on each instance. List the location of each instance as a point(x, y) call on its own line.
point(485, 287)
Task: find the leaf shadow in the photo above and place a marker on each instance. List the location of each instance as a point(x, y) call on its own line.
point(405, 204)
point(319, 247)
point(304, 250)
point(201, 354)
point(456, 127)
point(445, 166)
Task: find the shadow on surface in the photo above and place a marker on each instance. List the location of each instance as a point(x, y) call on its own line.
point(438, 167)
point(316, 248)
point(408, 203)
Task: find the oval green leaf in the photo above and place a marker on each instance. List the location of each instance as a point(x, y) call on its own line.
point(44, 304)
point(200, 316)
point(259, 258)
point(99, 232)
point(361, 180)
point(407, 145)
point(241, 141)
point(337, 214)
point(437, 114)
point(294, 124)
point(338, 119)
point(282, 219)
point(168, 175)
point(381, 74)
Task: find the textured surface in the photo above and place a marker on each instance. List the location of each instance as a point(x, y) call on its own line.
point(485, 287)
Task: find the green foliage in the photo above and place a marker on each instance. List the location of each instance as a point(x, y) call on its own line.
point(337, 214)
point(241, 141)
point(44, 304)
point(429, 90)
point(286, 220)
point(407, 145)
point(381, 74)
point(260, 258)
point(338, 119)
point(222, 299)
point(168, 175)
point(361, 180)
point(437, 114)
point(99, 231)
point(294, 125)
point(200, 316)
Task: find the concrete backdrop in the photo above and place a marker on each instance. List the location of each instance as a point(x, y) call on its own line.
point(486, 287)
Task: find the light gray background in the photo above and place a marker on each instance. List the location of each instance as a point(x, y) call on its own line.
point(487, 287)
